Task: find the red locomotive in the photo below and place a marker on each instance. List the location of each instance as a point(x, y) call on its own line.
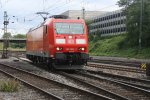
point(60, 43)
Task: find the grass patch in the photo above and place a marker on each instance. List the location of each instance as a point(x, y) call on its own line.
point(17, 49)
point(12, 49)
point(9, 85)
point(1, 46)
point(110, 46)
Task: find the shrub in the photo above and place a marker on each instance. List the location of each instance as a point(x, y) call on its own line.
point(10, 86)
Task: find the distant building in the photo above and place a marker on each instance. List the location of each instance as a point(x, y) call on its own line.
point(74, 14)
point(110, 23)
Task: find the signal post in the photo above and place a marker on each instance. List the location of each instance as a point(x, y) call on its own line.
point(5, 40)
point(148, 69)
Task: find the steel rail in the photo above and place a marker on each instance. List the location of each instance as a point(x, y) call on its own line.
point(96, 96)
point(114, 62)
point(116, 82)
point(128, 80)
point(116, 67)
point(32, 86)
point(96, 88)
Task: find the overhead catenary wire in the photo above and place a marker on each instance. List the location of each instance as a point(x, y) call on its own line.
point(109, 6)
point(1, 4)
point(53, 9)
point(57, 7)
point(53, 5)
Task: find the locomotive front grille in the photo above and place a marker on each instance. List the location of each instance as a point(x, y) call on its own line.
point(71, 58)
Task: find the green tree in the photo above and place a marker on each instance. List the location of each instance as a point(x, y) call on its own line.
point(18, 45)
point(93, 37)
point(88, 22)
point(133, 12)
point(97, 35)
point(7, 35)
point(19, 36)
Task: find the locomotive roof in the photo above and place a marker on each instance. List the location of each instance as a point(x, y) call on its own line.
point(47, 21)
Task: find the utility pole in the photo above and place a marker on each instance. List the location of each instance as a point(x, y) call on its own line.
point(83, 13)
point(141, 24)
point(5, 40)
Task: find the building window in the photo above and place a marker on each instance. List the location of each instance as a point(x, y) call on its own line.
point(122, 13)
point(118, 14)
point(111, 30)
point(121, 21)
point(113, 15)
point(118, 29)
point(121, 29)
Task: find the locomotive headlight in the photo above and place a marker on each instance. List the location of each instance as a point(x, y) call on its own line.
point(59, 48)
point(81, 49)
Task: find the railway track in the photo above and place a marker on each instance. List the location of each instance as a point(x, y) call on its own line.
point(54, 89)
point(128, 88)
point(141, 83)
point(92, 87)
point(127, 91)
point(43, 92)
point(112, 67)
point(116, 67)
point(116, 62)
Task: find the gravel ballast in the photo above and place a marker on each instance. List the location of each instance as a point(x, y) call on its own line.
point(24, 92)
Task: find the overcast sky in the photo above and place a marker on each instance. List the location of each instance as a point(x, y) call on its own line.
point(24, 10)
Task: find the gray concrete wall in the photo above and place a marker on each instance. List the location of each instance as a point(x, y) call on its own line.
point(74, 14)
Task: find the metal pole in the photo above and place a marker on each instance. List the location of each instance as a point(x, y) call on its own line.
point(83, 12)
point(5, 40)
point(141, 24)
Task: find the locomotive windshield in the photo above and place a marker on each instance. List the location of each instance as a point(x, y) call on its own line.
point(69, 28)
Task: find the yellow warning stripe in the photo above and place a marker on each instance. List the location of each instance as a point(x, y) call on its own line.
point(143, 66)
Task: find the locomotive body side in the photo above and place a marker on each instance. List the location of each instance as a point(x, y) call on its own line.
point(35, 42)
point(38, 44)
point(59, 42)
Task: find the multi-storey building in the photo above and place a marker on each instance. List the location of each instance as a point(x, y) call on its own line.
point(110, 23)
point(74, 14)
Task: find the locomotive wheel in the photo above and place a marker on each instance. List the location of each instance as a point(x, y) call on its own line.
point(33, 60)
point(50, 66)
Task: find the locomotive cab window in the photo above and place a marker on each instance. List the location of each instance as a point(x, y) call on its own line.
point(69, 28)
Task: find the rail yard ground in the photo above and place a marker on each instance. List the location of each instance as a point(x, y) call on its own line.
point(99, 52)
point(26, 92)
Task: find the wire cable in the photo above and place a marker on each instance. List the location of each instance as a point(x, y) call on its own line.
point(1, 4)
